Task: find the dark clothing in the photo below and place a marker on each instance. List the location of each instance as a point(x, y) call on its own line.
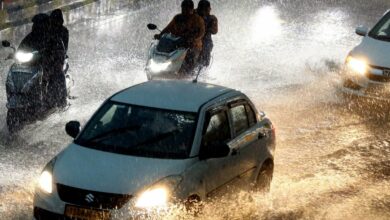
point(37, 39)
point(33, 42)
point(55, 59)
point(57, 28)
point(57, 89)
point(61, 33)
point(211, 26)
point(205, 55)
point(190, 62)
point(58, 47)
point(189, 27)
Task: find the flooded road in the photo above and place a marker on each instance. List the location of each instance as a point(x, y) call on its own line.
point(332, 158)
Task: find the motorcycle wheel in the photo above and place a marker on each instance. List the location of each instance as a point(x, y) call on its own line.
point(14, 120)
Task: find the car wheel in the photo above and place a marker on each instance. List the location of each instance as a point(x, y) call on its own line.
point(264, 178)
point(194, 205)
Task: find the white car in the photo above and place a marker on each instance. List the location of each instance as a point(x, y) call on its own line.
point(154, 144)
point(368, 64)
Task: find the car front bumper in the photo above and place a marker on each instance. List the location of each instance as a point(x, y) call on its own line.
point(51, 207)
point(42, 214)
point(372, 85)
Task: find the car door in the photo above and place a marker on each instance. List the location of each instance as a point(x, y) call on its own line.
point(217, 129)
point(248, 136)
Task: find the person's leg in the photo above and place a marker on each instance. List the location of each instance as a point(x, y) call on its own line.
point(190, 61)
point(207, 55)
point(62, 93)
point(57, 93)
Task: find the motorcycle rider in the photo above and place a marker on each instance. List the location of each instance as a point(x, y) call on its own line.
point(56, 54)
point(211, 26)
point(57, 27)
point(45, 39)
point(190, 27)
point(37, 38)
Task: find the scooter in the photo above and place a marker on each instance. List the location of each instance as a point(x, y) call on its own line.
point(166, 57)
point(27, 97)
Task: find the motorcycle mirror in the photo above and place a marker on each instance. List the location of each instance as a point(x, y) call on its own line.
point(72, 128)
point(152, 26)
point(5, 43)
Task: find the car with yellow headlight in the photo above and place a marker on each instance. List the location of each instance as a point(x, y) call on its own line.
point(368, 65)
point(155, 144)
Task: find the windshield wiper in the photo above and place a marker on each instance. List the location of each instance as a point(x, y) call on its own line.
point(113, 132)
point(158, 138)
point(380, 37)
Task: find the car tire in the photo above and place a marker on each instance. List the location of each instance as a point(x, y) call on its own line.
point(194, 205)
point(264, 178)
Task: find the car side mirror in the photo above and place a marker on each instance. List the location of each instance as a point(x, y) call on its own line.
point(5, 43)
point(152, 27)
point(72, 128)
point(215, 150)
point(362, 31)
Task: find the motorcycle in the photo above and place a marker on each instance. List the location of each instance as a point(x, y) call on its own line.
point(27, 96)
point(166, 57)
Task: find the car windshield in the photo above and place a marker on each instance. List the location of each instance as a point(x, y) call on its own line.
point(140, 131)
point(381, 31)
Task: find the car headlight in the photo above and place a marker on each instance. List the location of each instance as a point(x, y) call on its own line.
point(159, 195)
point(158, 67)
point(357, 65)
point(45, 182)
point(24, 57)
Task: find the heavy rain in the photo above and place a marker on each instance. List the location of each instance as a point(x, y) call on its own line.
point(332, 158)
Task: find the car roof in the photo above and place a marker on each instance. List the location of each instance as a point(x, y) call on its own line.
point(173, 94)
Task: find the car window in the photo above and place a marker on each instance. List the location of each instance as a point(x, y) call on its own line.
point(251, 115)
point(381, 31)
point(239, 118)
point(217, 129)
point(140, 131)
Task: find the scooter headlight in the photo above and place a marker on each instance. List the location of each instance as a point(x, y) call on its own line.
point(158, 67)
point(357, 65)
point(24, 57)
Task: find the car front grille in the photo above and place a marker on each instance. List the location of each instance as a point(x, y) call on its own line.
point(93, 199)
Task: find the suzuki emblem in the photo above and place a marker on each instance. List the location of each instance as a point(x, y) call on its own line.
point(89, 198)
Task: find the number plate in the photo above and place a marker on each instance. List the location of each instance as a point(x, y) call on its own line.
point(75, 212)
point(386, 72)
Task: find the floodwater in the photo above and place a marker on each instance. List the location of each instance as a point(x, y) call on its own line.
point(332, 159)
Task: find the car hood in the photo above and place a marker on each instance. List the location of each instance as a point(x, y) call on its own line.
point(101, 171)
point(375, 51)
